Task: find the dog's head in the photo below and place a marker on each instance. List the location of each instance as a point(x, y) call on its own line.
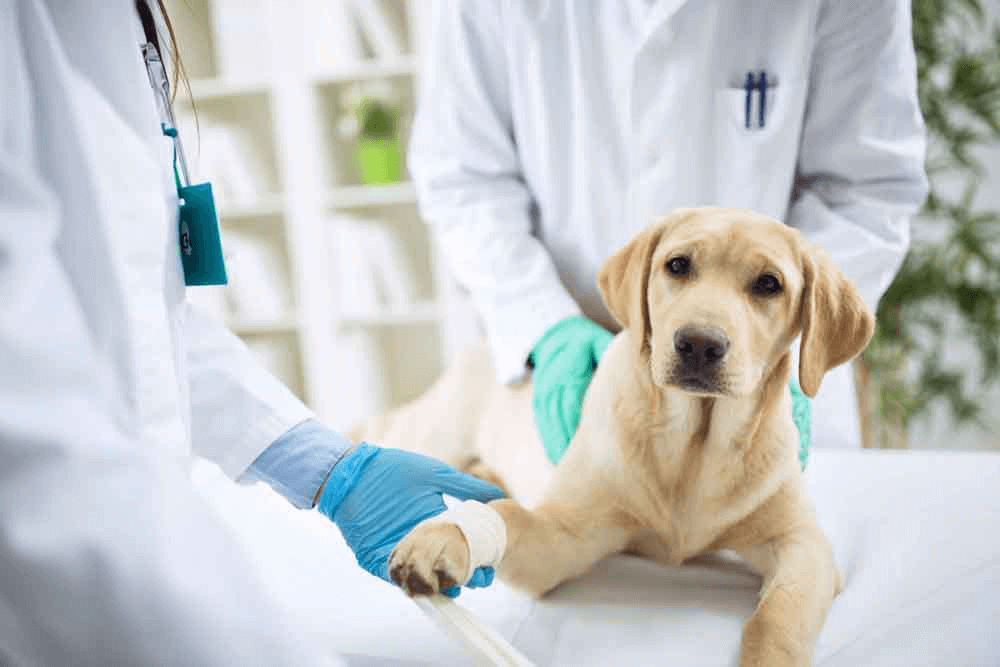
point(716, 296)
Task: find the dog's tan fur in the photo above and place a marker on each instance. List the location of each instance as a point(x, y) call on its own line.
point(657, 468)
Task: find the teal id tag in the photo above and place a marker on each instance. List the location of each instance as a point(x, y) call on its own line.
point(201, 245)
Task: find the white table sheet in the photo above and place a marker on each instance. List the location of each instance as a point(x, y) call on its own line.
point(916, 535)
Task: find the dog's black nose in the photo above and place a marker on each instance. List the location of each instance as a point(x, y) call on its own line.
point(700, 348)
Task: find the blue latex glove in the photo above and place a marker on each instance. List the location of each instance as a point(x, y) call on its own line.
point(376, 496)
point(564, 361)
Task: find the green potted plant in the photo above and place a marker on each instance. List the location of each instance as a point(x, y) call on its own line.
point(380, 151)
point(947, 292)
point(372, 121)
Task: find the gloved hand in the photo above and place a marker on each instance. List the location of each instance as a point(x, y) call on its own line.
point(564, 361)
point(802, 416)
point(376, 496)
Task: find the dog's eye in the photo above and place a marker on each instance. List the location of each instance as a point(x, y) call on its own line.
point(766, 285)
point(679, 266)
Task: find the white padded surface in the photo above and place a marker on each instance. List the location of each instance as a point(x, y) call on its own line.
point(916, 535)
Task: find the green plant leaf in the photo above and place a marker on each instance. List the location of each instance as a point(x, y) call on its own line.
point(377, 121)
point(955, 281)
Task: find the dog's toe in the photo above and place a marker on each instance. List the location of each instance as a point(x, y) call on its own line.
point(417, 585)
point(431, 559)
point(398, 573)
point(445, 580)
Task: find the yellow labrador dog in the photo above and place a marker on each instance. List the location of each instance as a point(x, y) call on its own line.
point(686, 443)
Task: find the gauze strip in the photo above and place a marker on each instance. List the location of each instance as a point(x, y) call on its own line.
point(484, 531)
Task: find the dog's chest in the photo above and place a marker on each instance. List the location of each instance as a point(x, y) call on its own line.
point(685, 494)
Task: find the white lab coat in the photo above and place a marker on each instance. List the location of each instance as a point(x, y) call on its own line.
point(107, 554)
point(552, 131)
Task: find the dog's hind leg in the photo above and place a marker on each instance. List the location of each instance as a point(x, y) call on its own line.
point(477, 468)
point(440, 423)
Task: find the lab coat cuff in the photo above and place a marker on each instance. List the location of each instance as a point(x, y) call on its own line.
point(298, 462)
point(260, 435)
point(523, 326)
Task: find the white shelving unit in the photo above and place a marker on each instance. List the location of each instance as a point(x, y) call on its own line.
point(292, 188)
point(362, 196)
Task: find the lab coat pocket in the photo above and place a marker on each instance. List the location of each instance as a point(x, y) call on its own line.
point(756, 149)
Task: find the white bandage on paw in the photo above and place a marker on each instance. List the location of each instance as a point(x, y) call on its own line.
point(484, 530)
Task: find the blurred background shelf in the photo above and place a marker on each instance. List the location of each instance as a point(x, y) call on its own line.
point(209, 89)
point(417, 313)
point(255, 328)
point(332, 276)
point(358, 196)
point(405, 65)
point(266, 206)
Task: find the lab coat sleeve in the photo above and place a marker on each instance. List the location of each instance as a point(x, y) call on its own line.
point(298, 463)
point(107, 554)
point(238, 409)
point(860, 171)
point(464, 163)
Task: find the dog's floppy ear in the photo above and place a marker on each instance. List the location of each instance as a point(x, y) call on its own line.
point(836, 323)
point(623, 280)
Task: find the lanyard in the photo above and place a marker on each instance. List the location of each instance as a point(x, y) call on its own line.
point(198, 233)
point(161, 90)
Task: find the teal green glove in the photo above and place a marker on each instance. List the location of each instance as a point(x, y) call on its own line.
point(802, 416)
point(564, 361)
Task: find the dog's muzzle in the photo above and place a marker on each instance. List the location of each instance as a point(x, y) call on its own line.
point(700, 352)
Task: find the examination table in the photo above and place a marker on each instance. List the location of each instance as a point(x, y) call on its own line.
point(916, 535)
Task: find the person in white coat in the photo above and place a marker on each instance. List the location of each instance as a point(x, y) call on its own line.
point(109, 382)
point(550, 132)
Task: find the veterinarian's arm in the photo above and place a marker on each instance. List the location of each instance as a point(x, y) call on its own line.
point(246, 421)
point(108, 556)
point(298, 463)
point(375, 496)
point(237, 407)
point(465, 165)
point(860, 169)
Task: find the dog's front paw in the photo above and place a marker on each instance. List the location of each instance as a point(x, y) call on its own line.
point(432, 558)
